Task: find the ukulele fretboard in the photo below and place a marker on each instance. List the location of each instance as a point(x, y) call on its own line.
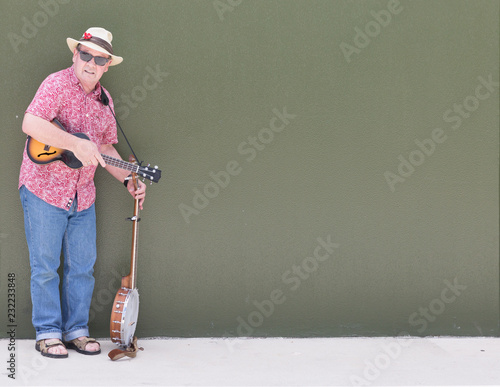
point(114, 162)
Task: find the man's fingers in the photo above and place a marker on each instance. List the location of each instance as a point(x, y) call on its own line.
point(140, 193)
point(95, 161)
point(100, 160)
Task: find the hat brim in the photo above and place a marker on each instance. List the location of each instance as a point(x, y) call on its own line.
point(72, 43)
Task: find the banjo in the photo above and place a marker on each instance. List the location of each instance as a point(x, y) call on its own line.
point(125, 309)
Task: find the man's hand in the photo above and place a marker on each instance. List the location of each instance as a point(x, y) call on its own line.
point(140, 193)
point(88, 153)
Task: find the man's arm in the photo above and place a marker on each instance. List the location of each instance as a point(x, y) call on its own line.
point(121, 174)
point(48, 133)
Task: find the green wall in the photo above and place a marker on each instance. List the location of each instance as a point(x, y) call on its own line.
point(358, 144)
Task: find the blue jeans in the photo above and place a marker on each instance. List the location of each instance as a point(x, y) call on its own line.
point(48, 230)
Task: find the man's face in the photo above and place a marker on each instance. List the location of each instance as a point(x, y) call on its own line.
point(88, 73)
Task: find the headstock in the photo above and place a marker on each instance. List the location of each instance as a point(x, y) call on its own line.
point(149, 173)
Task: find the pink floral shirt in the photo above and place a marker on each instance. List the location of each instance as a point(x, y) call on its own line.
point(61, 96)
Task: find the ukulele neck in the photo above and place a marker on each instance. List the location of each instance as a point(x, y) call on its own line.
point(114, 162)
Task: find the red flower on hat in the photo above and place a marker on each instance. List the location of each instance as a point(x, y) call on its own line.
point(87, 36)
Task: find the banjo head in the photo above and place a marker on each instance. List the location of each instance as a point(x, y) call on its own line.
point(126, 313)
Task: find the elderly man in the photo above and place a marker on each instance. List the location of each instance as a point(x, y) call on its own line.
point(58, 201)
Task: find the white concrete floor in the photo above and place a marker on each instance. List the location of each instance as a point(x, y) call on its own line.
point(267, 362)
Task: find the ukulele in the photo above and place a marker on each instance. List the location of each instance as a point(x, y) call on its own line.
point(44, 154)
point(126, 304)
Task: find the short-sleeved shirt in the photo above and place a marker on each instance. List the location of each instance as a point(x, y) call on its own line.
point(61, 96)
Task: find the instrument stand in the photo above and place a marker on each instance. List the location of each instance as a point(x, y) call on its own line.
point(130, 351)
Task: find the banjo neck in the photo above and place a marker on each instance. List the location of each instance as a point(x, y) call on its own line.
point(130, 281)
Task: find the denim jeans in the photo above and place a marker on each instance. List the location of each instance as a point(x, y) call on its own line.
point(48, 230)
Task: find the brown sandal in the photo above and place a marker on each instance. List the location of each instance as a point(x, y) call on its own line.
point(43, 348)
point(79, 345)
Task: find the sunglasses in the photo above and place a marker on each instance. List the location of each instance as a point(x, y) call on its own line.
point(99, 60)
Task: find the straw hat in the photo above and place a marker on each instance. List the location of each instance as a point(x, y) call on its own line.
point(98, 39)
